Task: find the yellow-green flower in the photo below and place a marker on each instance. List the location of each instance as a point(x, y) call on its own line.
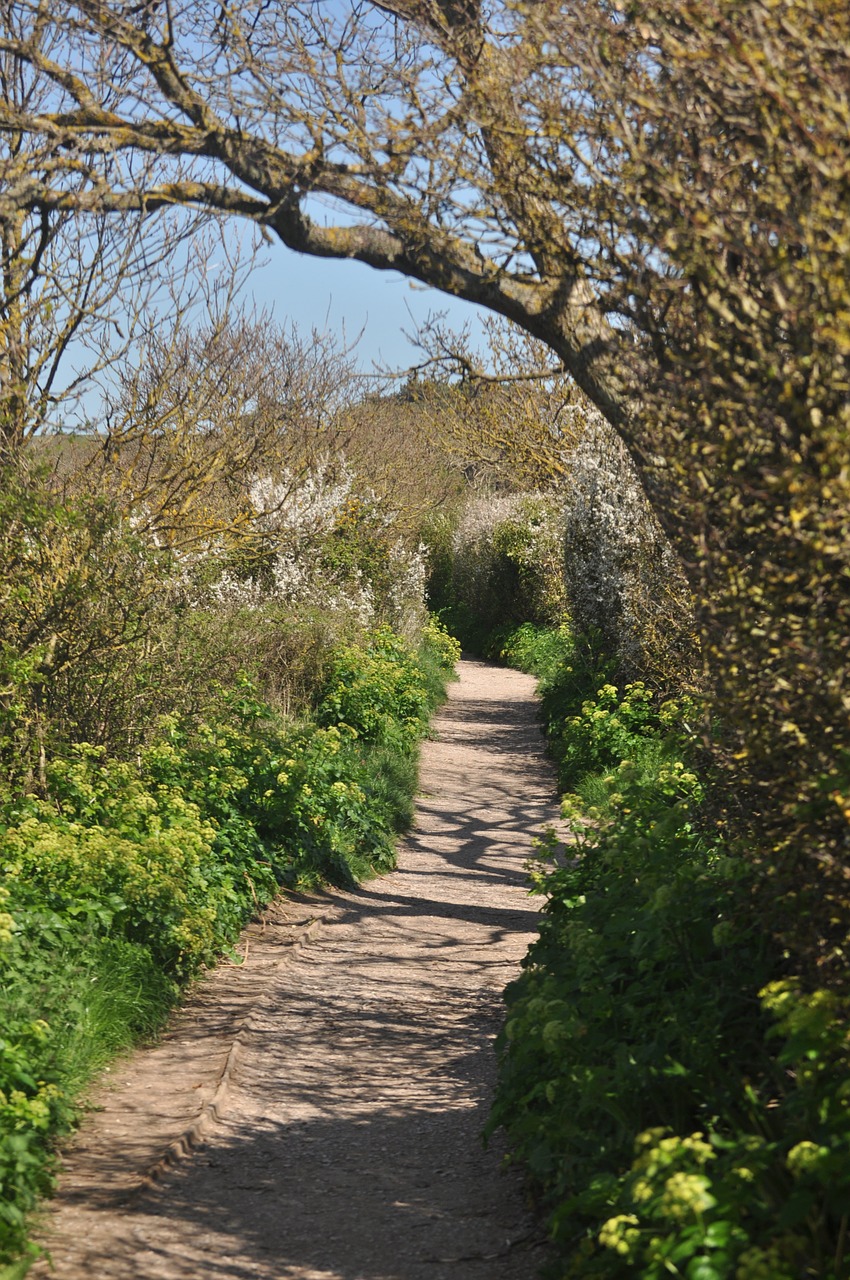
point(805, 1158)
point(621, 1234)
point(686, 1194)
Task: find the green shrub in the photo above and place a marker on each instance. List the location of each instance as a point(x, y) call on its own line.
point(633, 992)
point(760, 1192)
point(377, 690)
point(541, 651)
point(501, 565)
point(71, 997)
point(679, 1113)
point(128, 876)
point(441, 649)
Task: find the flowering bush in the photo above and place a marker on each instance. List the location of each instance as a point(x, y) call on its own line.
point(624, 581)
point(327, 540)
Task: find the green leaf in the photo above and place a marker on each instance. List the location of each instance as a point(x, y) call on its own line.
point(704, 1269)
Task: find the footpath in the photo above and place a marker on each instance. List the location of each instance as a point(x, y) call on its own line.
point(314, 1112)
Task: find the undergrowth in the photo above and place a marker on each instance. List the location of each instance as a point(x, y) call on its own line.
point(680, 1102)
point(123, 878)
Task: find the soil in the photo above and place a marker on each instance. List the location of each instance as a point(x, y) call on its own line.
point(315, 1112)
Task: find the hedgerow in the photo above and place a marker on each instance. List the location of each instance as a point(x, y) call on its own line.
point(679, 1101)
point(147, 871)
point(498, 565)
point(184, 729)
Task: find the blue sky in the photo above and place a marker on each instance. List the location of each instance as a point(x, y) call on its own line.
point(347, 297)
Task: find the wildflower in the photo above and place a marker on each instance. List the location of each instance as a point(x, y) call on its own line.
point(621, 1234)
point(805, 1158)
point(686, 1194)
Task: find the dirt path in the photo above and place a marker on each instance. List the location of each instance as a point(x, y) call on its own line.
point(315, 1114)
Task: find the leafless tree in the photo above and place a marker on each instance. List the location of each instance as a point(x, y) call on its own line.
point(209, 405)
point(77, 287)
point(406, 121)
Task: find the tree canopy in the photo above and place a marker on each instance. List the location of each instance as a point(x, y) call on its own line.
point(577, 168)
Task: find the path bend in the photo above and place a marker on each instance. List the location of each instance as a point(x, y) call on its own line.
point(315, 1114)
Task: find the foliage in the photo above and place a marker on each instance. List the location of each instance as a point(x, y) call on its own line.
point(680, 1110)
point(154, 794)
point(442, 648)
point(762, 1196)
point(376, 692)
point(70, 998)
point(129, 876)
point(615, 726)
point(541, 651)
point(656, 192)
point(499, 565)
point(213, 406)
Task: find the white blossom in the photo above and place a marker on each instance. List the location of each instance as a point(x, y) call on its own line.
point(302, 506)
point(623, 577)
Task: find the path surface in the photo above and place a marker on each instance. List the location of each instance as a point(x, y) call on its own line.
point(316, 1113)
